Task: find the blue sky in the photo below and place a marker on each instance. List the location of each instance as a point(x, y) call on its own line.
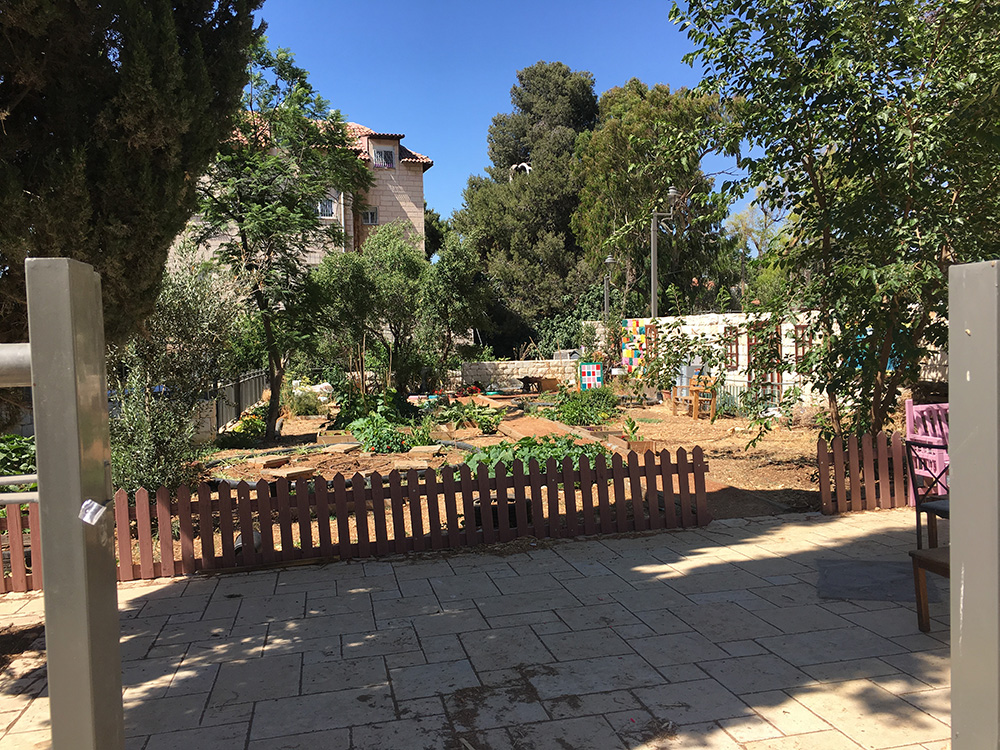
point(439, 70)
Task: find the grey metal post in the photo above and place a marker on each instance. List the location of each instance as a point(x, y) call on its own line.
point(66, 331)
point(974, 429)
point(653, 252)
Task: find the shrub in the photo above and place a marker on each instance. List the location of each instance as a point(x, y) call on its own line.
point(17, 456)
point(378, 435)
point(541, 449)
point(304, 403)
point(590, 407)
point(488, 421)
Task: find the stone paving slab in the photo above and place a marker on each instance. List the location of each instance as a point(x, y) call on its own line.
point(711, 638)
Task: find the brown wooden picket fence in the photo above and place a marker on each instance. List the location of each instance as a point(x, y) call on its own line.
point(867, 473)
point(405, 512)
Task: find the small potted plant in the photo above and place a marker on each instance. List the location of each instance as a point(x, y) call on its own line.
point(636, 442)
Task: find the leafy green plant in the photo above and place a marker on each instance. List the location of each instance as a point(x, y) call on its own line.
point(541, 449)
point(590, 407)
point(378, 435)
point(248, 430)
point(304, 403)
point(488, 421)
point(631, 429)
point(421, 434)
point(17, 456)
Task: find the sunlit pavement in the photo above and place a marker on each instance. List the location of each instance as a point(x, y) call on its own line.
point(788, 633)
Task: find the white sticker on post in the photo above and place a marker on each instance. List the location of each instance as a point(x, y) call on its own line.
point(91, 512)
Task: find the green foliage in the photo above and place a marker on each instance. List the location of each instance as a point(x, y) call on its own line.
point(378, 435)
point(304, 403)
point(111, 111)
point(159, 376)
point(519, 222)
point(248, 431)
point(374, 297)
point(676, 349)
point(489, 421)
point(435, 231)
point(290, 152)
point(875, 126)
point(631, 429)
point(591, 407)
point(354, 405)
point(17, 456)
point(648, 140)
point(540, 449)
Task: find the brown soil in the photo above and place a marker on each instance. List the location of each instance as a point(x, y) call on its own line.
point(15, 641)
point(776, 475)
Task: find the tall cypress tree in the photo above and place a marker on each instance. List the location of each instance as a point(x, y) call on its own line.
point(110, 111)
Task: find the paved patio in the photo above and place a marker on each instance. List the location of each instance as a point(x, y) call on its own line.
point(760, 634)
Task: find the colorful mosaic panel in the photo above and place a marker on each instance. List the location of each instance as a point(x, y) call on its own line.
point(636, 337)
point(591, 375)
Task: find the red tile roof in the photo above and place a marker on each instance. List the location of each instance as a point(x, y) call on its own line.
point(360, 134)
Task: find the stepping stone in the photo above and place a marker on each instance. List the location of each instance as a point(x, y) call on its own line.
point(341, 448)
point(268, 462)
point(293, 472)
point(404, 465)
point(426, 450)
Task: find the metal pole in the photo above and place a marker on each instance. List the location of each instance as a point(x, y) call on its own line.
point(66, 330)
point(974, 378)
point(607, 296)
point(652, 266)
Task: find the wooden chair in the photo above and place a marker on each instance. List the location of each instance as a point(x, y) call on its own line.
point(928, 473)
point(698, 393)
point(937, 560)
point(926, 423)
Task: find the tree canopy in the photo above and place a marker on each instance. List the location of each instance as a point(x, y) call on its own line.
point(875, 125)
point(259, 203)
point(647, 140)
point(110, 111)
point(518, 218)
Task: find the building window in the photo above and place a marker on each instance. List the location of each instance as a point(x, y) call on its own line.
point(369, 217)
point(803, 342)
point(325, 209)
point(732, 336)
point(384, 157)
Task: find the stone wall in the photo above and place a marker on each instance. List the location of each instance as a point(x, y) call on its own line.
point(507, 374)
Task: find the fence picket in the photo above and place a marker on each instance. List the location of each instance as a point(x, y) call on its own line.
point(823, 461)
point(587, 496)
point(323, 518)
point(416, 513)
point(899, 485)
point(15, 538)
point(125, 570)
point(144, 532)
point(450, 505)
point(344, 545)
point(205, 527)
point(468, 505)
point(839, 475)
point(186, 529)
point(884, 491)
point(305, 517)
point(667, 470)
point(652, 500)
point(537, 514)
point(603, 504)
point(703, 517)
point(378, 508)
point(854, 467)
point(227, 529)
point(399, 513)
point(486, 505)
point(164, 529)
point(684, 488)
point(552, 494)
point(519, 482)
point(569, 497)
point(433, 510)
point(621, 501)
point(635, 485)
point(504, 533)
point(868, 473)
point(248, 540)
point(361, 514)
point(265, 516)
point(35, 539)
point(284, 503)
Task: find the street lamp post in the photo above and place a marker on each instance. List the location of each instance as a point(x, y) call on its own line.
point(673, 195)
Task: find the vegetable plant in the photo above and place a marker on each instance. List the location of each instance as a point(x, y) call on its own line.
point(541, 449)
